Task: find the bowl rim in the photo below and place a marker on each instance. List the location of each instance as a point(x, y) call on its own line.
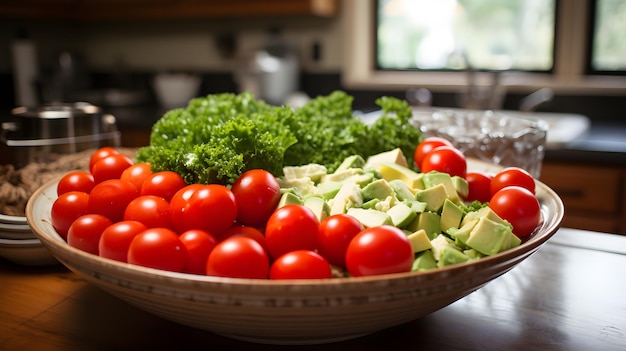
point(547, 228)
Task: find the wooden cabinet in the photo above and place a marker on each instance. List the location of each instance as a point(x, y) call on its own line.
point(89, 10)
point(594, 196)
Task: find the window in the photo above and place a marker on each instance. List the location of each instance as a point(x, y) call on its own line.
point(533, 44)
point(455, 34)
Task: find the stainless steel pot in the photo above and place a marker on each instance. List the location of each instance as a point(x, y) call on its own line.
point(38, 133)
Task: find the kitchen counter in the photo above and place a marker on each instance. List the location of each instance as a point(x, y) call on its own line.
point(567, 296)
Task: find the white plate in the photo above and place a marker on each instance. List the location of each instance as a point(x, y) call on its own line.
point(29, 252)
point(15, 228)
point(12, 219)
point(17, 235)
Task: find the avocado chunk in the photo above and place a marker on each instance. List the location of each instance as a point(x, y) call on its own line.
point(424, 261)
point(451, 215)
point(341, 175)
point(487, 236)
point(460, 235)
point(378, 189)
point(450, 256)
point(429, 221)
point(329, 190)
point(319, 207)
point(370, 218)
point(401, 215)
point(393, 156)
point(461, 186)
point(439, 244)
point(403, 193)
point(289, 198)
point(312, 171)
point(353, 161)
point(434, 178)
point(433, 197)
point(348, 196)
point(420, 241)
point(390, 171)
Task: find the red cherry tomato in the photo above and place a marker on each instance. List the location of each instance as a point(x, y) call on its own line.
point(164, 184)
point(479, 184)
point(100, 154)
point(289, 228)
point(85, 232)
point(238, 257)
point(199, 244)
point(519, 207)
point(301, 264)
point(76, 181)
point(116, 239)
point(210, 207)
point(247, 231)
point(111, 197)
point(334, 236)
point(257, 193)
point(136, 174)
point(179, 204)
point(512, 176)
point(66, 208)
point(379, 250)
point(158, 248)
point(110, 167)
point(445, 159)
point(426, 146)
point(152, 211)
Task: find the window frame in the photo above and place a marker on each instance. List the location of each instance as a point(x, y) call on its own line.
point(569, 75)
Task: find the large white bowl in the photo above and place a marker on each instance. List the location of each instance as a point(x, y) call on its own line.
point(288, 312)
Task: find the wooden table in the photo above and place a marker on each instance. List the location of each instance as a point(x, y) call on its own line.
point(570, 295)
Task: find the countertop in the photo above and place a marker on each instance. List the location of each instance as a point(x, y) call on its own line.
point(569, 295)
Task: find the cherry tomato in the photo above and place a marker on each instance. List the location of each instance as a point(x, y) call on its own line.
point(111, 197)
point(100, 154)
point(199, 244)
point(136, 174)
point(153, 211)
point(211, 207)
point(247, 231)
point(512, 176)
point(379, 250)
point(479, 184)
point(289, 228)
point(257, 193)
point(445, 159)
point(334, 235)
point(164, 184)
point(76, 181)
point(179, 204)
point(110, 167)
point(66, 208)
point(238, 257)
point(116, 239)
point(300, 264)
point(85, 232)
point(158, 248)
point(519, 207)
point(426, 146)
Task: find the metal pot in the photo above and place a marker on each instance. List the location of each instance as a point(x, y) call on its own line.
point(36, 134)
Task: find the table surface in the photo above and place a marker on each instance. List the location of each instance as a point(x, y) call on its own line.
point(569, 295)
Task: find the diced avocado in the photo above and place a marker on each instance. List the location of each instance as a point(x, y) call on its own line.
point(329, 190)
point(461, 186)
point(319, 207)
point(364, 178)
point(424, 261)
point(473, 254)
point(378, 189)
point(429, 221)
point(403, 193)
point(434, 178)
point(487, 236)
point(433, 197)
point(450, 256)
point(386, 204)
point(341, 175)
point(370, 218)
point(460, 235)
point(451, 215)
point(370, 203)
point(312, 171)
point(486, 212)
point(390, 171)
point(420, 241)
point(439, 244)
point(354, 161)
point(510, 242)
point(348, 196)
point(305, 186)
point(401, 215)
point(289, 198)
point(416, 206)
point(392, 156)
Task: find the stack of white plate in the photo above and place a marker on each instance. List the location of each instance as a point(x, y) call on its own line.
point(19, 244)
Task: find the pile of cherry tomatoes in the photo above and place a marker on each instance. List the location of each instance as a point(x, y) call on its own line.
point(126, 212)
